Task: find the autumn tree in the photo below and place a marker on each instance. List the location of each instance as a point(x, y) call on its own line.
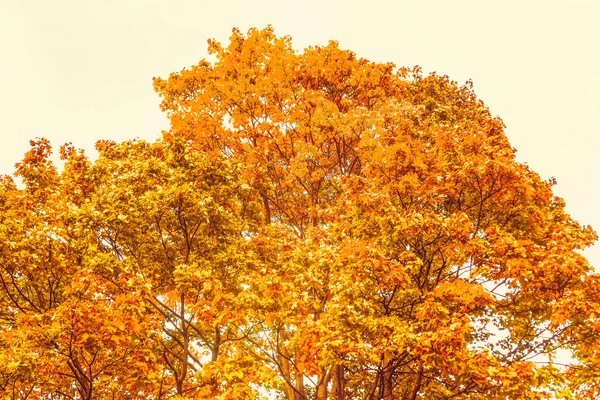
point(313, 226)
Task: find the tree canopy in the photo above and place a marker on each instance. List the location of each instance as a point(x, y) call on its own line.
point(313, 226)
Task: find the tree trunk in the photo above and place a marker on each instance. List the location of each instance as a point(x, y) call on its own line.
point(387, 383)
point(323, 383)
point(299, 386)
point(387, 380)
point(418, 383)
point(339, 382)
point(186, 341)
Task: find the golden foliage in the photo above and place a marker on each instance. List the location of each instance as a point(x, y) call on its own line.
point(312, 226)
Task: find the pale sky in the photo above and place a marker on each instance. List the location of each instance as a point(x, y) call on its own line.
point(81, 70)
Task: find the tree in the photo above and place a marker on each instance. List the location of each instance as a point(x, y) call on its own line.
point(312, 226)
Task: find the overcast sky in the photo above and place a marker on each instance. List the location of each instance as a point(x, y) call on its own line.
point(81, 70)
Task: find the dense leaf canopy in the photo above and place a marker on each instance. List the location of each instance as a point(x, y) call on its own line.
point(313, 226)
